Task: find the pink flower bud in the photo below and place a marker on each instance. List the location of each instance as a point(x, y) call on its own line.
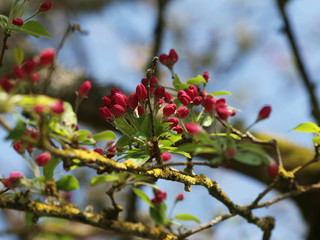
point(114, 91)
point(39, 109)
point(272, 170)
point(47, 56)
point(180, 197)
point(118, 110)
point(168, 98)
point(169, 109)
point(142, 93)
point(35, 77)
point(57, 107)
point(206, 76)
point(264, 112)
point(43, 159)
point(159, 92)
point(44, 7)
point(106, 114)
point(182, 112)
point(160, 103)
point(84, 89)
point(17, 21)
point(6, 84)
point(133, 101)
point(29, 66)
point(164, 59)
point(193, 128)
point(166, 156)
point(106, 101)
point(232, 112)
point(178, 129)
point(99, 150)
point(174, 121)
point(13, 179)
point(18, 72)
point(222, 110)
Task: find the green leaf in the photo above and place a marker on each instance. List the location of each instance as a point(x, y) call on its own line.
point(190, 147)
point(35, 29)
point(146, 126)
point(102, 179)
point(207, 121)
point(307, 127)
point(201, 150)
point(253, 148)
point(219, 93)
point(69, 114)
point(138, 158)
point(18, 55)
point(248, 158)
point(105, 135)
point(124, 141)
point(18, 131)
point(216, 160)
point(143, 196)
point(156, 216)
point(48, 170)
point(177, 83)
point(68, 183)
point(316, 140)
point(186, 217)
point(197, 80)
point(234, 136)
point(122, 124)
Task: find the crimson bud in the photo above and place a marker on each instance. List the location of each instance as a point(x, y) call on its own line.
point(272, 170)
point(193, 128)
point(174, 121)
point(169, 109)
point(166, 156)
point(43, 159)
point(106, 114)
point(264, 112)
point(84, 89)
point(141, 92)
point(17, 21)
point(44, 7)
point(47, 56)
point(180, 197)
point(182, 112)
point(13, 179)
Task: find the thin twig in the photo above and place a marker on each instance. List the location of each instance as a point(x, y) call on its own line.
point(4, 47)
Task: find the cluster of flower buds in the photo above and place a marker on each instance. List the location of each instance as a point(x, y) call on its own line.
point(44, 7)
point(110, 153)
point(28, 71)
point(13, 179)
point(159, 196)
point(21, 147)
point(169, 60)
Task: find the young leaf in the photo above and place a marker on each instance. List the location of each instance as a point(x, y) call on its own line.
point(156, 216)
point(35, 29)
point(69, 114)
point(207, 121)
point(219, 93)
point(102, 179)
point(248, 158)
point(18, 55)
point(177, 83)
point(105, 135)
point(197, 80)
point(48, 170)
point(316, 140)
point(143, 196)
point(123, 141)
point(307, 127)
point(138, 158)
point(68, 183)
point(187, 217)
point(234, 136)
point(18, 131)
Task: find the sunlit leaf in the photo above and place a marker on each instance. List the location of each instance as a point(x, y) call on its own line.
point(307, 127)
point(143, 196)
point(186, 217)
point(102, 179)
point(68, 183)
point(197, 80)
point(18, 55)
point(105, 135)
point(48, 170)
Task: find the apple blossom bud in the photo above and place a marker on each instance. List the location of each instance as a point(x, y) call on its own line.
point(111, 150)
point(106, 114)
point(182, 112)
point(166, 156)
point(140, 110)
point(174, 121)
point(6, 84)
point(168, 98)
point(180, 197)
point(178, 129)
point(35, 77)
point(29, 66)
point(44, 7)
point(193, 128)
point(120, 98)
point(18, 72)
point(133, 101)
point(13, 179)
point(264, 112)
point(17, 21)
point(169, 109)
point(84, 89)
point(47, 56)
point(197, 100)
point(206, 76)
point(142, 93)
point(106, 101)
point(159, 92)
point(118, 110)
point(173, 56)
point(57, 107)
point(272, 170)
point(43, 159)
point(99, 150)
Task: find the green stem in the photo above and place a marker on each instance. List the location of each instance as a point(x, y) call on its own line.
point(200, 114)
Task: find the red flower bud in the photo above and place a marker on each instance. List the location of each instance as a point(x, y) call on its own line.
point(264, 113)
point(174, 121)
point(84, 89)
point(169, 60)
point(197, 100)
point(232, 112)
point(111, 150)
point(169, 109)
point(168, 98)
point(17, 21)
point(193, 128)
point(106, 114)
point(141, 92)
point(29, 66)
point(164, 59)
point(209, 103)
point(120, 98)
point(153, 81)
point(192, 91)
point(18, 147)
point(99, 150)
point(133, 101)
point(47, 56)
point(222, 110)
point(180, 197)
point(18, 72)
point(178, 129)
point(273, 170)
point(12, 180)
point(39, 109)
point(182, 112)
point(44, 7)
point(118, 110)
point(114, 91)
point(43, 159)
point(173, 56)
point(6, 84)
point(35, 77)
point(166, 156)
point(206, 76)
point(159, 92)
point(140, 110)
point(160, 103)
point(184, 97)
point(57, 107)
point(106, 101)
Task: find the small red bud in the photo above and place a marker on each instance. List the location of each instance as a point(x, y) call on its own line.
point(193, 128)
point(44, 7)
point(264, 113)
point(141, 92)
point(17, 21)
point(47, 56)
point(166, 156)
point(57, 107)
point(206, 76)
point(169, 109)
point(43, 159)
point(273, 170)
point(180, 197)
point(84, 89)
